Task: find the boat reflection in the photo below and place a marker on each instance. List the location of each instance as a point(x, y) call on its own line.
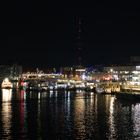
point(6, 95)
point(6, 112)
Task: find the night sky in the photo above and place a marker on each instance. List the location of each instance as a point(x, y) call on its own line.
point(46, 34)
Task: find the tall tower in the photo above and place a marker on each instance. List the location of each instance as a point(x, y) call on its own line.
point(79, 43)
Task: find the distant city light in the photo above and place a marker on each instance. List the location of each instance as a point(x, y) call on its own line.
point(111, 70)
point(83, 77)
point(81, 70)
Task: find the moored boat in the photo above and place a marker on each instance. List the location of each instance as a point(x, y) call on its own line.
point(6, 84)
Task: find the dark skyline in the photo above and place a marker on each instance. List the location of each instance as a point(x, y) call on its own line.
point(46, 34)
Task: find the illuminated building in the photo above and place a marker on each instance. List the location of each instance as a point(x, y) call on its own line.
point(124, 72)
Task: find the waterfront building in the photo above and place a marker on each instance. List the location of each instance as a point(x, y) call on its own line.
point(127, 73)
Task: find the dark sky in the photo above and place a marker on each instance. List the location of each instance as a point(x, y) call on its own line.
point(45, 34)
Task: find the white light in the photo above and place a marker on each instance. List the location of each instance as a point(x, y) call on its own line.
point(82, 70)
point(83, 76)
point(91, 87)
point(137, 67)
point(116, 77)
point(6, 94)
point(135, 72)
point(6, 80)
point(111, 70)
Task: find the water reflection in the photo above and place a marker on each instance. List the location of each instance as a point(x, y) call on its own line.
point(67, 115)
point(111, 119)
point(6, 95)
point(136, 120)
point(79, 116)
point(23, 121)
point(6, 113)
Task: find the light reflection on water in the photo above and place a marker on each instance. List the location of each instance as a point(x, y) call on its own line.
point(111, 118)
point(67, 115)
point(136, 119)
point(6, 113)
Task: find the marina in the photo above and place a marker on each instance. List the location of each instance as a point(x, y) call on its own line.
point(70, 70)
point(118, 80)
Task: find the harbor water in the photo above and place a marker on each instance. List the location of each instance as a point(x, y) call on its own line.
point(67, 115)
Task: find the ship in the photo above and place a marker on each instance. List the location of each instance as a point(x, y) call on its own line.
point(6, 84)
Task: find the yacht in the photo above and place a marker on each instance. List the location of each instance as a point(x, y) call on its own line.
point(6, 84)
